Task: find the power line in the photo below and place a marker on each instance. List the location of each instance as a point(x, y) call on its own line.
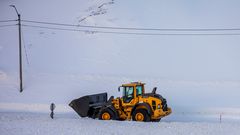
point(132, 28)
point(39, 22)
point(8, 25)
point(135, 33)
point(52, 28)
point(7, 20)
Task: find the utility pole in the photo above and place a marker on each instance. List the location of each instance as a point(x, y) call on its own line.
point(20, 47)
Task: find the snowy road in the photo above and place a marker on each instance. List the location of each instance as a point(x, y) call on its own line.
point(68, 124)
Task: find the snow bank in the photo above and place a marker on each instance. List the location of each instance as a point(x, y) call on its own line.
point(39, 108)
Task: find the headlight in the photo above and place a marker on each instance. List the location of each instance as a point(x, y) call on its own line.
point(158, 107)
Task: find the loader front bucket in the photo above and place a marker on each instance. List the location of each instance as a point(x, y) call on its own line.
point(81, 106)
point(88, 106)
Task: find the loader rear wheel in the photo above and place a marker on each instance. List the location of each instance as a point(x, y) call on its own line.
point(107, 114)
point(140, 115)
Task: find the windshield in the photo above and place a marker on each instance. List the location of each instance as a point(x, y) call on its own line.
point(128, 91)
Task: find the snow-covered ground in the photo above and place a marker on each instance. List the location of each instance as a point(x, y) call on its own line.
point(198, 75)
point(28, 112)
point(63, 124)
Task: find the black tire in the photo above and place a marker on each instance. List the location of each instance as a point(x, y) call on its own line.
point(156, 120)
point(146, 116)
point(108, 111)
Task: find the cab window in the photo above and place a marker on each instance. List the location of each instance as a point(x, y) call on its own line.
point(139, 90)
point(128, 94)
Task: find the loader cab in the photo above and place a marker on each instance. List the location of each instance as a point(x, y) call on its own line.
point(131, 91)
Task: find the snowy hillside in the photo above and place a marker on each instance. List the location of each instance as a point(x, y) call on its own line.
point(198, 75)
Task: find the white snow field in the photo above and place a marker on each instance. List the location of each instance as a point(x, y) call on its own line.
point(27, 113)
point(41, 124)
point(198, 75)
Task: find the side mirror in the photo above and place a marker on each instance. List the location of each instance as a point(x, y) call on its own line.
point(119, 88)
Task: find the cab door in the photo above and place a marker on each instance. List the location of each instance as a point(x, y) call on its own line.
point(128, 94)
point(128, 98)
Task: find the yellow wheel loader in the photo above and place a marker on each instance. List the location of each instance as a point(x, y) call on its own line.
point(134, 105)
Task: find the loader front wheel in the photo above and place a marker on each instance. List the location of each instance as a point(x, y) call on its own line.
point(141, 115)
point(106, 114)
